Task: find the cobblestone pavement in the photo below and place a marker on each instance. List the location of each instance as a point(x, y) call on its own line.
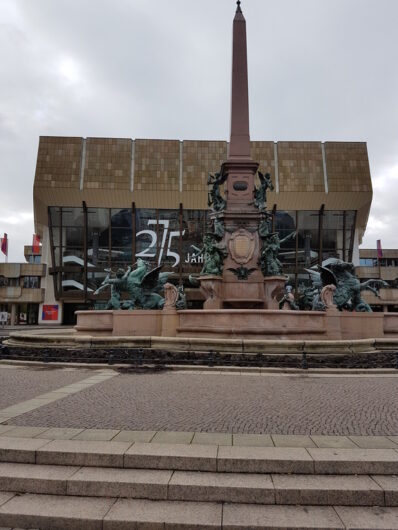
point(229, 403)
point(20, 384)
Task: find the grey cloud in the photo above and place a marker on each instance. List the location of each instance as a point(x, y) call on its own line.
point(154, 68)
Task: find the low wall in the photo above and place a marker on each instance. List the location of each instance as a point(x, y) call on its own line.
point(239, 324)
point(120, 323)
point(252, 324)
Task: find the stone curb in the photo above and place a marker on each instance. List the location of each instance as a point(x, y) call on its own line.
point(168, 485)
point(234, 370)
point(185, 457)
point(179, 438)
point(231, 346)
point(90, 513)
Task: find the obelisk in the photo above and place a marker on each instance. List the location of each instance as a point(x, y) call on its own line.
point(240, 135)
point(238, 218)
point(239, 166)
point(241, 217)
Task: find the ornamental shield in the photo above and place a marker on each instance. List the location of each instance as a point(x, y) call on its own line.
point(241, 246)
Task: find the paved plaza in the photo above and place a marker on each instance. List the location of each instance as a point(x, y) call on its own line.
point(205, 401)
point(20, 385)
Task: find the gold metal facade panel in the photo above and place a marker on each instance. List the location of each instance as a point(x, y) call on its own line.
point(156, 165)
point(108, 163)
point(263, 153)
point(300, 167)
point(157, 174)
point(58, 162)
point(199, 159)
point(348, 166)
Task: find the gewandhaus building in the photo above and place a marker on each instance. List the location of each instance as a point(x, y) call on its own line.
point(100, 203)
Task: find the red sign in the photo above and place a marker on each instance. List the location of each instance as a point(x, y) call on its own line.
point(36, 244)
point(50, 312)
point(4, 245)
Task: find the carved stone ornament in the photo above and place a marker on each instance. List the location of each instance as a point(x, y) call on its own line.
point(327, 295)
point(171, 296)
point(241, 246)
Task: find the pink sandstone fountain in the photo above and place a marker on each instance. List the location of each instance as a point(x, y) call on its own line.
point(240, 308)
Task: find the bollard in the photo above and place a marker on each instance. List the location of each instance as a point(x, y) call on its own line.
point(140, 359)
point(396, 360)
point(111, 358)
point(211, 358)
point(304, 362)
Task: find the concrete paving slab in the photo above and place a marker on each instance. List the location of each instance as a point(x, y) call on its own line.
point(16, 410)
point(104, 375)
point(221, 487)
point(82, 453)
point(256, 440)
point(5, 496)
point(97, 434)
point(173, 437)
point(134, 436)
point(20, 450)
point(355, 461)
point(376, 518)
point(264, 460)
point(40, 401)
point(333, 442)
point(279, 517)
point(67, 390)
point(171, 456)
point(390, 487)
point(26, 432)
point(5, 428)
point(292, 440)
point(327, 490)
point(130, 483)
point(212, 438)
point(52, 511)
point(163, 515)
point(59, 433)
point(77, 387)
point(33, 478)
point(373, 442)
point(52, 395)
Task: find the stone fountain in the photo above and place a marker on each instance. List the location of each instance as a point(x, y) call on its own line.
point(242, 275)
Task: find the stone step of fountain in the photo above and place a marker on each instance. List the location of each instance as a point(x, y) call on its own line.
point(196, 457)
point(49, 512)
point(196, 486)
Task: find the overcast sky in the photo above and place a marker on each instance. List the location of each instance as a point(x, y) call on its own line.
point(318, 70)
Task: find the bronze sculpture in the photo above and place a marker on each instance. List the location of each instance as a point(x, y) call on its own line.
point(269, 262)
point(260, 194)
point(213, 256)
point(142, 285)
point(347, 295)
point(215, 200)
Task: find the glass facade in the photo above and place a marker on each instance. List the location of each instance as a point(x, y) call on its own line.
point(86, 241)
